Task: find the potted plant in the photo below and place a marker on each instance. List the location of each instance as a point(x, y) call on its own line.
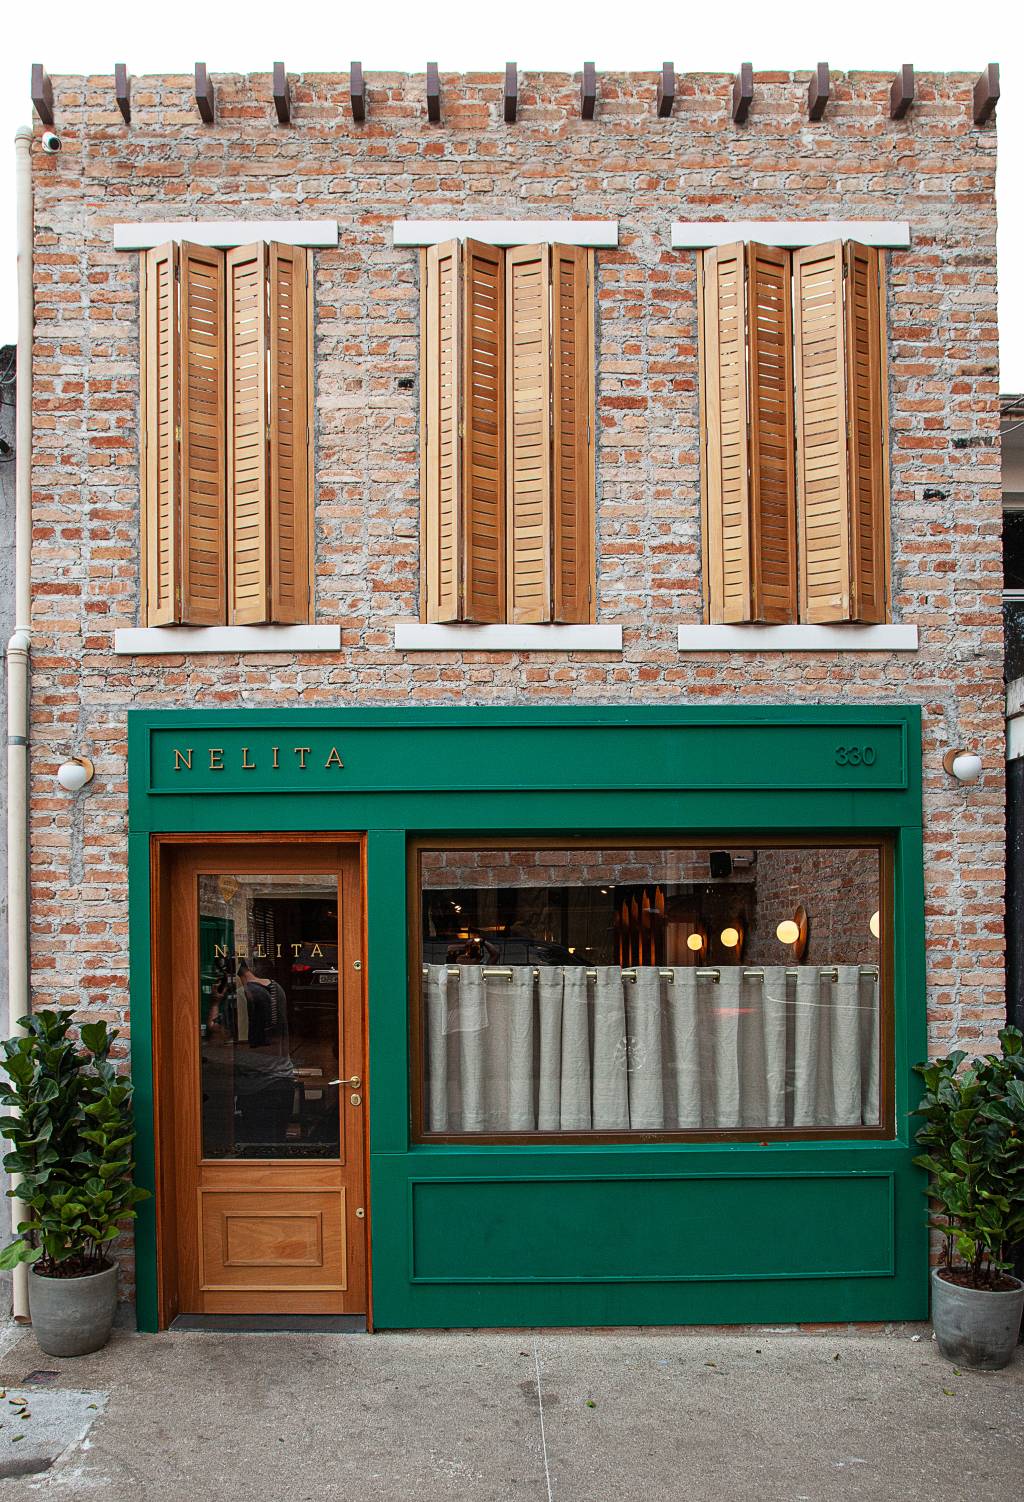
point(71, 1134)
point(973, 1140)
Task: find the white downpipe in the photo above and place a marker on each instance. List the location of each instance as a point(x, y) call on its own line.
point(18, 650)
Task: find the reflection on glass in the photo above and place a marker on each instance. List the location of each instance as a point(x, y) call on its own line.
point(648, 990)
point(268, 1016)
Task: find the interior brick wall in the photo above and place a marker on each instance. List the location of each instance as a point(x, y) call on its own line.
point(934, 169)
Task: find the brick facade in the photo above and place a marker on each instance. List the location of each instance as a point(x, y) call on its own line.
point(934, 169)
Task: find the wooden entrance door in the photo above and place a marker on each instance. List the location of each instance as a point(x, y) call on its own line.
point(260, 1054)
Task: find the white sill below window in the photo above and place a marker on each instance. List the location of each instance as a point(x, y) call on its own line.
point(146, 641)
point(415, 636)
point(748, 638)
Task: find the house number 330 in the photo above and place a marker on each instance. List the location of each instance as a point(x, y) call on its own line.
point(855, 756)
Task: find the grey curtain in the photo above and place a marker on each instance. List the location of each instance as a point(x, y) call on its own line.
point(559, 1052)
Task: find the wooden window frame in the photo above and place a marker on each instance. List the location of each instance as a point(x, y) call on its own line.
point(882, 842)
point(886, 479)
point(557, 592)
point(146, 391)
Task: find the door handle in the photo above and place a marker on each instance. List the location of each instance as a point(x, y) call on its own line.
point(353, 1083)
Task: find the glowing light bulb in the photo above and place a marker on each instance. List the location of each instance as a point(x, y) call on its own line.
point(875, 924)
point(730, 937)
point(787, 932)
point(695, 942)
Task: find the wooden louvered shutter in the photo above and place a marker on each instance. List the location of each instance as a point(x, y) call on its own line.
point(248, 520)
point(441, 546)
point(748, 403)
point(865, 396)
point(201, 320)
point(572, 377)
point(290, 413)
point(528, 435)
point(160, 423)
point(483, 444)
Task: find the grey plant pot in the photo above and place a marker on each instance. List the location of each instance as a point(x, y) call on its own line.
point(974, 1326)
point(72, 1316)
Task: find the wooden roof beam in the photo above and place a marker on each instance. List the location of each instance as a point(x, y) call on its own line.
point(282, 95)
point(42, 93)
point(357, 92)
point(818, 91)
point(123, 91)
point(588, 92)
point(742, 93)
point(511, 93)
point(666, 90)
point(206, 98)
point(986, 94)
point(433, 94)
point(901, 94)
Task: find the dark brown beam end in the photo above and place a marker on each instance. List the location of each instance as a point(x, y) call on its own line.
point(742, 93)
point(282, 94)
point(818, 92)
point(42, 93)
point(511, 93)
point(206, 99)
point(357, 92)
point(666, 90)
point(986, 94)
point(433, 94)
point(123, 91)
point(901, 94)
point(588, 92)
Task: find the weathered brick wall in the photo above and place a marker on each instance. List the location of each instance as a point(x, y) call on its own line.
point(934, 169)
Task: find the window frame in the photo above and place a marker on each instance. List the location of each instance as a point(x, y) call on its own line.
point(884, 842)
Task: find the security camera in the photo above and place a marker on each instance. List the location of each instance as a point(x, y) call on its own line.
point(51, 143)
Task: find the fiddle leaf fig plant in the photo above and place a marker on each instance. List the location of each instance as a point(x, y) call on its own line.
point(71, 1138)
point(973, 1140)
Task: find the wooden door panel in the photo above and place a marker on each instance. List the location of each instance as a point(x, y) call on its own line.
point(262, 1208)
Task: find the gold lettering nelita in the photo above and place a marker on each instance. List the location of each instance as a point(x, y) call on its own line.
point(216, 758)
point(275, 763)
point(317, 952)
point(183, 759)
point(334, 760)
point(220, 951)
point(301, 752)
point(247, 765)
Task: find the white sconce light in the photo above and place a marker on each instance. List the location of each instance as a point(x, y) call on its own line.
point(965, 766)
point(793, 932)
point(730, 937)
point(74, 774)
point(787, 932)
point(695, 942)
point(875, 925)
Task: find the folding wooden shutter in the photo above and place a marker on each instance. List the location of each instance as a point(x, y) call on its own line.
point(290, 403)
point(483, 444)
point(840, 477)
point(528, 434)
point(161, 460)
point(572, 338)
point(248, 519)
point(441, 545)
point(748, 406)
point(201, 303)
point(864, 384)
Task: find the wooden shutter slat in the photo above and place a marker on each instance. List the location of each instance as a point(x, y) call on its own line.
point(289, 401)
point(822, 479)
point(483, 445)
point(727, 464)
point(772, 481)
point(864, 382)
point(528, 432)
point(572, 439)
point(248, 517)
point(161, 375)
point(442, 498)
point(202, 462)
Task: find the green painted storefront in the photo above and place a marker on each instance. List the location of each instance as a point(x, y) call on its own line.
point(587, 1234)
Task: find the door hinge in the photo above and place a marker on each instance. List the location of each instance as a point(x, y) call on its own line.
point(177, 432)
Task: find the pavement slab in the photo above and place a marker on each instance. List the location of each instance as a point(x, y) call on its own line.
point(547, 1416)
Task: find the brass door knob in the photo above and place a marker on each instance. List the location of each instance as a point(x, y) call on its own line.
point(353, 1083)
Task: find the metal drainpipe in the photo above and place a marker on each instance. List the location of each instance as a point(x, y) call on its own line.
point(18, 652)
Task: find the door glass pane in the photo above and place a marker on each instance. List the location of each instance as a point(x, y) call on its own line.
point(268, 1016)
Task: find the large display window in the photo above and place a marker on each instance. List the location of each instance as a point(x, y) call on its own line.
point(720, 988)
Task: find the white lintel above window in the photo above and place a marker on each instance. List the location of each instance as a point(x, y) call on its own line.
point(415, 636)
point(702, 234)
point(750, 638)
point(186, 641)
point(596, 233)
point(224, 233)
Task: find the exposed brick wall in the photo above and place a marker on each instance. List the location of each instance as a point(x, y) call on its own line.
point(934, 169)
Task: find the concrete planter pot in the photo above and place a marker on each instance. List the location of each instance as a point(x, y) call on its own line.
point(72, 1316)
point(974, 1326)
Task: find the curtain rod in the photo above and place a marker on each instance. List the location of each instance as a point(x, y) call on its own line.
point(489, 972)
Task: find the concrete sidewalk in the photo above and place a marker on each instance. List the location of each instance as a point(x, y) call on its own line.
point(545, 1417)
